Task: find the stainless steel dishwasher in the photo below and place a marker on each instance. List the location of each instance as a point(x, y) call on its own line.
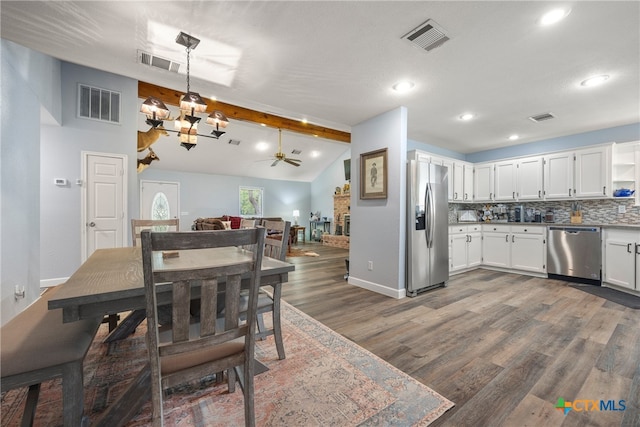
point(575, 254)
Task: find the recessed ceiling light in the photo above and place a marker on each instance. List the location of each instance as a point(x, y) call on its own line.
point(304, 121)
point(315, 153)
point(262, 146)
point(595, 80)
point(554, 16)
point(403, 86)
point(513, 137)
point(467, 116)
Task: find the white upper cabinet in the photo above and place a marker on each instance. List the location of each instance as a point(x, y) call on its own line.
point(558, 175)
point(593, 172)
point(530, 179)
point(505, 181)
point(458, 181)
point(468, 182)
point(483, 182)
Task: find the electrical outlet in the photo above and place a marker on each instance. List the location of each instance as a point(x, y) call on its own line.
point(370, 265)
point(622, 209)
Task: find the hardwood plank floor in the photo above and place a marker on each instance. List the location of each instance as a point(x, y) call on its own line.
point(503, 347)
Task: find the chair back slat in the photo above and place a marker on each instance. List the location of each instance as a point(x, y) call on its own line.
point(180, 310)
point(209, 294)
point(137, 225)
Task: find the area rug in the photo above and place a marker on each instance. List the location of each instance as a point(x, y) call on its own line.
point(611, 294)
point(326, 380)
point(295, 252)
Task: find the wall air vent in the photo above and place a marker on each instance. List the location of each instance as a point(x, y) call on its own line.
point(234, 141)
point(98, 104)
point(542, 117)
point(296, 151)
point(427, 36)
point(157, 61)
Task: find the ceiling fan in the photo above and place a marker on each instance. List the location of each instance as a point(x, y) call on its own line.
point(280, 156)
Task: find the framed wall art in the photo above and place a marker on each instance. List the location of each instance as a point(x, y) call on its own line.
point(373, 174)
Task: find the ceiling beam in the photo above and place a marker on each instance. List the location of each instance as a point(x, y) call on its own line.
point(172, 97)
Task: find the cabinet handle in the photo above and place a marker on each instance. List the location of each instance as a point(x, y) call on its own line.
point(539, 194)
point(513, 238)
point(637, 246)
point(466, 196)
point(574, 191)
point(569, 192)
point(469, 238)
point(629, 247)
point(490, 196)
point(604, 190)
point(455, 196)
point(506, 237)
point(513, 195)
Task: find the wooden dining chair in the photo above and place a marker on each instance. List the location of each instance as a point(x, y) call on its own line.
point(247, 223)
point(133, 319)
point(275, 246)
point(137, 225)
point(189, 351)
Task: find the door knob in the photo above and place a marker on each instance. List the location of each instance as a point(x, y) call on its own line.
point(92, 224)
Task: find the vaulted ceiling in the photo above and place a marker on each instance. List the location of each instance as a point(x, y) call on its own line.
point(333, 64)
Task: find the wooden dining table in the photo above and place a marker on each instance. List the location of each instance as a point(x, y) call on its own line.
point(111, 281)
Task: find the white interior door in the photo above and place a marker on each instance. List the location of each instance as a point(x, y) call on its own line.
point(159, 200)
point(104, 203)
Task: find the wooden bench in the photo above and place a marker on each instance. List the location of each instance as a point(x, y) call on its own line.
point(36, 346)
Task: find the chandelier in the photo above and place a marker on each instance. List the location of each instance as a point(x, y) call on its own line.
point(191, 103)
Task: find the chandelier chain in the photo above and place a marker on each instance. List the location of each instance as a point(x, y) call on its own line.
point(188, 56)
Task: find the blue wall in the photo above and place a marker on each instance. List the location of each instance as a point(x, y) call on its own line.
point(618, 134)
point(205, 195)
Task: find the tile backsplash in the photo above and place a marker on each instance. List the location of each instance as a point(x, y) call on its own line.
point(601, 211)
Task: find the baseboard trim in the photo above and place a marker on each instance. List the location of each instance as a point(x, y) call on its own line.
point(375, 287)
point(47, 283)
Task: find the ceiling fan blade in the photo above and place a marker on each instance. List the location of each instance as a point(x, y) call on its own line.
point(275, 163)
point(291, 162)
point(294, 160)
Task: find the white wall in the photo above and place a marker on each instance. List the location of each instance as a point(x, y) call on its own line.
point(378, 226)
point(29, 82)
point(204, 195)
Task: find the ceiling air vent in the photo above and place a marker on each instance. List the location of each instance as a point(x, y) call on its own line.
point(234, 141)
point(296, 151)
point(158, 62)
point(542, 117)
point(427, 36)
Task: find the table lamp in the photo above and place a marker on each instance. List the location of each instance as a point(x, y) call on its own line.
point(296, 214)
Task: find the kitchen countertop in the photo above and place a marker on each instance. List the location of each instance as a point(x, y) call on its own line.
point(552, 224)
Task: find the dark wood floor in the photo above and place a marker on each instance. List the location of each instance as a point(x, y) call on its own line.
point(503, 347)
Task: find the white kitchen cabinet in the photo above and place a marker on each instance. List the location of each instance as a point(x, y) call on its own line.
point(558, 175)
point(468, 182)
point(465, 247)
point(458, 181)
point(495, 245)
point(483, 177)
point(505, 181)
point(593, 172)
point(462, 181)
point(514, 247)
point(528, 248)
point(530, 171)
point(622, 258)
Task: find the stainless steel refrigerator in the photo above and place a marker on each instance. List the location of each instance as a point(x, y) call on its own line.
point(427, 224)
